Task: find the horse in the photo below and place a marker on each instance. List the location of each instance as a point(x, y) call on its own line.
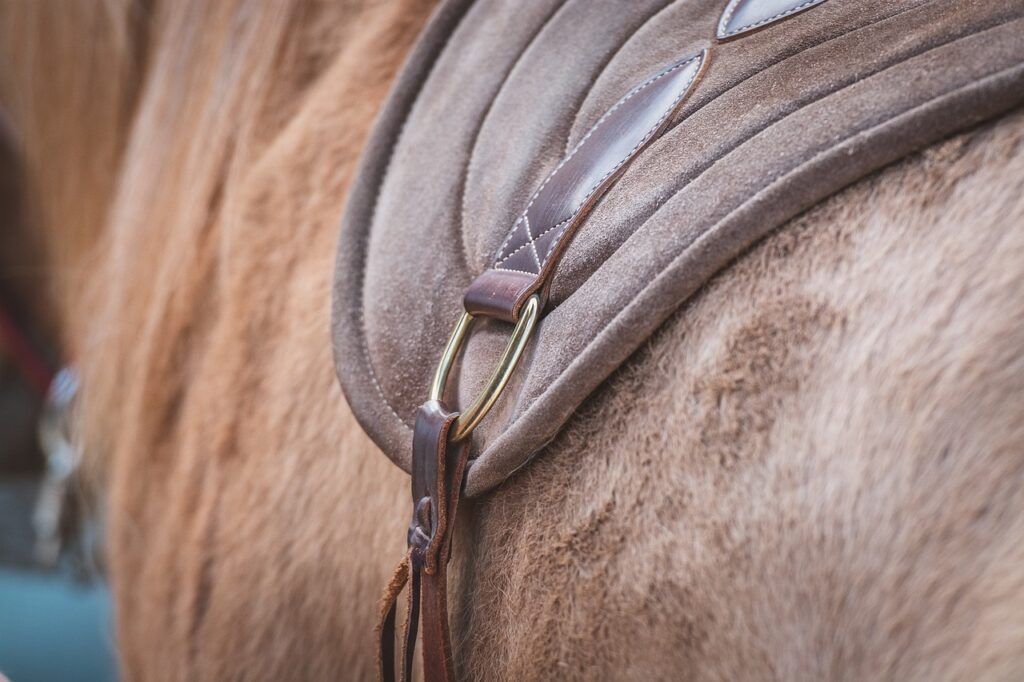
point(811, 470)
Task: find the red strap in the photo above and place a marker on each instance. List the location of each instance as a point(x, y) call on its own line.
point(24, 355)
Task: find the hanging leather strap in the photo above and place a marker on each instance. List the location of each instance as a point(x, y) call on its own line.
point(439, 466)
point(386, 629)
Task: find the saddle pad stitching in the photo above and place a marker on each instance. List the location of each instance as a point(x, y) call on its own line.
point(874, 74)
point(712, 96)
point(724, 21)
point(523, 246)
point(786, 58)
point(364, 336)
point(684, 92)
point(617, 166)
point(362, 319)
point(711, 231)
point(625, 98)
point(873, 23)
point(380, 390)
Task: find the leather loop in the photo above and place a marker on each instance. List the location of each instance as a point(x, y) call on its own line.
point(437, 470)
point(499, 294)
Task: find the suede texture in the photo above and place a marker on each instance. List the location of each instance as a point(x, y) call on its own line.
point(494, 95)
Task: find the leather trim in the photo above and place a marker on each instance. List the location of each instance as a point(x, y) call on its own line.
point(437, 471)
point(533, 246)
point(495, 293)
point(743, 16)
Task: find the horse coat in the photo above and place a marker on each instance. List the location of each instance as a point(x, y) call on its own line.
point(794, 101)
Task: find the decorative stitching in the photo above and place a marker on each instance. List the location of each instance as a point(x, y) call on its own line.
point(508, 237)
point(629, 95)
point(373, 376)
point(521, 272)
point(533, 243)
point(519, 248)
point(554, 244)
point(643, 140)
point(731, 9)
point(523, 246)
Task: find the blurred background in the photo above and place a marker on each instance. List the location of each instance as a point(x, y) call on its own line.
point(55, 613)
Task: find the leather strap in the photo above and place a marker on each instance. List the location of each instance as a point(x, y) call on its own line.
point(386, 626)
point(526, 260)
point(439, 467)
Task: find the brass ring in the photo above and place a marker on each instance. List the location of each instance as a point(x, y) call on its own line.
point(472, 416)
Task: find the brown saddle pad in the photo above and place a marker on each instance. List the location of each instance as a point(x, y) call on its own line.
point(495, 93)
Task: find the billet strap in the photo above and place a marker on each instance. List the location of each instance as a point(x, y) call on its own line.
point(515, 289)
point(439, 466)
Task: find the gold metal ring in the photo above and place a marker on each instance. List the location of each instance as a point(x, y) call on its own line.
point(471, 417)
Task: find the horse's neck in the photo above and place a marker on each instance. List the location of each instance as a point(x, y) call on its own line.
point(129, 121)
point(69, 77)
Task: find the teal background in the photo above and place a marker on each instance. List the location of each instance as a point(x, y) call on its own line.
point(53, 629)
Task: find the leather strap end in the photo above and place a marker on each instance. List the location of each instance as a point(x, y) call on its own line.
point(386, 621)
point(499, 294)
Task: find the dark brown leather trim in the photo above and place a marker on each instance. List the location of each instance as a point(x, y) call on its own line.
point(437, 470)
point(530, 252)
point(438, 665)
point(743, 16)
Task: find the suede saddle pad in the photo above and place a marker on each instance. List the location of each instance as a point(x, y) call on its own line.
point(795, 100)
